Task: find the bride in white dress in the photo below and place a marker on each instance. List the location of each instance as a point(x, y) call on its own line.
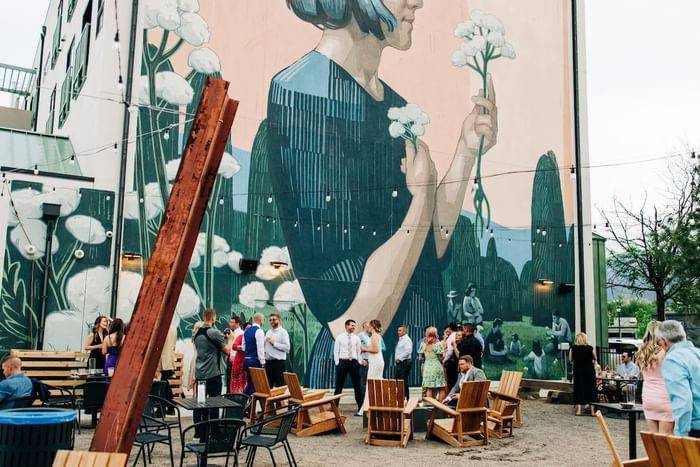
point(375, 369)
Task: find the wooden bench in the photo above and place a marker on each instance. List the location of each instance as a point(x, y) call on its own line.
point(54, 368)
point(89, 459)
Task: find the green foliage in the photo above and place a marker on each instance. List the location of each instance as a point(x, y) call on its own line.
point(643, 316)
point(642, 310)
point(16, 316)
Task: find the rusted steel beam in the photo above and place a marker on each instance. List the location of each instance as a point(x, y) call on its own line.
point(166, 270)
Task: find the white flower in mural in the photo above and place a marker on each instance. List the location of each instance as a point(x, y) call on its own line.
point(187, 304)
point(161, 13)
point(128, 292)
point(507, 51)
point(141, 93)
point(173, 88)
point(460, 59)
point(492, 23)
point(407, 122)
point(86, 229)
point(229, 166)
point(220, 259)
point(171, 168)
point(201, 246)
point(254, 295)
point(476, 16)
point(496, 39)
point(195, 260)
point(204, 60)
point(468, 50)
point(152, 200)
point(193, 29)
point(90, 290)
point(287, 295)
point(28, 205)
point(32, 232)
point(234, 261)
point(188, 6)
point(220, 244)
point(464, 29)
point(65, 331)
point(68, 198)
point(479, 43)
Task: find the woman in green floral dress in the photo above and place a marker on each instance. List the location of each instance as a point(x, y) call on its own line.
point(430, 352)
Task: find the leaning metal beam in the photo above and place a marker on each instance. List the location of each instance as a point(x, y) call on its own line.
point(166, 271)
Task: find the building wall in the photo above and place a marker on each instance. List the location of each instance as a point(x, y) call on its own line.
point(313, 179)
point(15, 118)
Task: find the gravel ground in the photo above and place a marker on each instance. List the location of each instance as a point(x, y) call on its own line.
point(550, 436)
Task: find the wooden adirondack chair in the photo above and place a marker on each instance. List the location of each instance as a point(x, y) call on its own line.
point(671, 451)
point(317, 413)
point(389, 421)
point(506, 395)
point(469, 418)
point(264, 394)
point(617, 460)
point(89, 459)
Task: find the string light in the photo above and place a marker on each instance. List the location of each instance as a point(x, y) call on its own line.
point(115, 148)
point(269, 199)
point(166, 133)
point(362, 227)
point(395, 192)
point(345, 230)
point(538, 230)
point(120, 83)
point(296, 224)
point(36, 169)
point(328, 226)
point(328, 197)
point(115, 44)
point(221, 201)
point(318, 228)
point(573, 172)
point(476, 183)
point(544, 232)
point(374, 233)
point(72, 159)
point(447, 233)
point(408, 232)
point(491, 232)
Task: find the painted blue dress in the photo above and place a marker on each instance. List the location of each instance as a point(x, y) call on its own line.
point(327, 135)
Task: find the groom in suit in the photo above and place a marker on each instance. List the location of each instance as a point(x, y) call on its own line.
point(467, 372)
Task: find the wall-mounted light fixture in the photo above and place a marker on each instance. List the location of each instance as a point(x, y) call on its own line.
point(545, 281)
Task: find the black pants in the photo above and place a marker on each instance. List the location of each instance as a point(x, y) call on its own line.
point(403, 371)
point(363, 378)
point(451, 372)
point(213, 389)
point(275, 372)
point(165, 375)
point(342, 370)
point(694, 433)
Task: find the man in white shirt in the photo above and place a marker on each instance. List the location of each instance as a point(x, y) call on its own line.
point(467, 372)
point(403, 356)
point(346, 354)
point(277, 347)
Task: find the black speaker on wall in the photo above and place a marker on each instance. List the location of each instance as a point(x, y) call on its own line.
point(248, 265)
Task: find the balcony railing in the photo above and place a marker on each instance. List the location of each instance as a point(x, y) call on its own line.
point(66, 94)
point(81, 61)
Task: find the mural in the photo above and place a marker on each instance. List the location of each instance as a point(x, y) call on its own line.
point(395, 165)
point(80, 277)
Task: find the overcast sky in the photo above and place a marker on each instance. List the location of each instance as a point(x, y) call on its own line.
point(643, 71)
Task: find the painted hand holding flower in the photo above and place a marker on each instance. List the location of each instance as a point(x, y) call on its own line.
point(483, 40)
point(409, 123)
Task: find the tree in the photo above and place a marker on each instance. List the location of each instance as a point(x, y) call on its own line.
point(650, 246)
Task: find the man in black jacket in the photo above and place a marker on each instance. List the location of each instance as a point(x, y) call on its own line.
point(470, 345)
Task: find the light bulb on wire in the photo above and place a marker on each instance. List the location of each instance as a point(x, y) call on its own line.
point(36, 169)
point(269, 199)
point(395, 192)
point(166, 134)
point(115, 44)
point(72, 159)
point(328, 197)
point(573, 173)
point(120, 83)
point(115, 148)
point(221, 201)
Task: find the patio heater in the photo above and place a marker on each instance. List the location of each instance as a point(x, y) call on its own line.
point(51, 214)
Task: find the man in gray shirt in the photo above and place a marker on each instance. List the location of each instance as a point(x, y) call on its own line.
point(210, 345)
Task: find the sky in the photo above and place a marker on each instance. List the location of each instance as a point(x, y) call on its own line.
point(642, 93)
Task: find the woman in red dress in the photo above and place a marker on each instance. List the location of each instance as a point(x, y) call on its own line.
point(238, 380)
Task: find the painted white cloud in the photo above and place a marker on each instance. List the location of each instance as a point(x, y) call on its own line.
point(173, 88)
point(142, 95)
point(68, 198)
point(86, 229)
point(204, 60)
point(64, 331)
point(90, 290)
point(229, 166)
point(161, 13)
point(234, 261)
point(171, 168)
point(187, 304)
point(287, 295)
point(32, 232)
point(193, 29)
point(152, 200)
point(128, 292)
point(220, 259)
point(28, 205)
point(253, 295)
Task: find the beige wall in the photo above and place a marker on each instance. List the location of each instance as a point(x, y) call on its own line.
point(255, 40)
point(15, 118)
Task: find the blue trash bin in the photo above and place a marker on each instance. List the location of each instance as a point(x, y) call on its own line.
point(31, 437)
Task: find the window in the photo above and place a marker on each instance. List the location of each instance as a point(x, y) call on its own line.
point(56, 46)
point(69, 55)
point(52, 107)
point(100, 15)
point(66, 94)
point(80, 62)
point(71, 9)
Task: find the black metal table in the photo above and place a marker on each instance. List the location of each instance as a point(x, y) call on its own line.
point(632, 421)
point(216, 402)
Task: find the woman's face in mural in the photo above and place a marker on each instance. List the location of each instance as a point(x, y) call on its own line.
point(405, 13)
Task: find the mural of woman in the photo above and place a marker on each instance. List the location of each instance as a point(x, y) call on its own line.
point(471, 306)
point(360, 211)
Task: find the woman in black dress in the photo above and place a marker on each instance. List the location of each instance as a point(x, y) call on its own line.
point(583, 357)
point(94, 341)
